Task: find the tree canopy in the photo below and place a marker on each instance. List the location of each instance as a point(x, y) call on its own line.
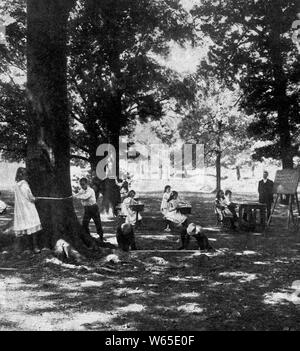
point(251, 44)
point(114, 75)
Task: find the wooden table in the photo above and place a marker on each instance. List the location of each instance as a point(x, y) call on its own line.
point(248, 214)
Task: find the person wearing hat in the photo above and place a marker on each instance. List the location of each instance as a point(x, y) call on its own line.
point(197, 232)
point(125, 237)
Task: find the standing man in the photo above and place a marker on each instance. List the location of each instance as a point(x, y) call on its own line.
point(91, 209)
point(265, 191)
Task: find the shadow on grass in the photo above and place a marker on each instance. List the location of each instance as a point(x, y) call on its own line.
point(171, 291)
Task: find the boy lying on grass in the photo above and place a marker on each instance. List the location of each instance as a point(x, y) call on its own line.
point(197, 232)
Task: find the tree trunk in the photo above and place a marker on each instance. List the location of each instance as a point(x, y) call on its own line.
point(48, 154)
point(238, 172)
point(280, 91)
point(219, 155)
point(253, 170)
point(218, 171)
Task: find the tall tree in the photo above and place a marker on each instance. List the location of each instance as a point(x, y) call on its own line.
point(48, 149)
point(114, 73)
point(115, 76)
point(215, 121)
point(251, 43)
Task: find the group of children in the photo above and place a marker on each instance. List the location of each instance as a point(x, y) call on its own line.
point(170, 209)
point(27, 222)
point(226, 208)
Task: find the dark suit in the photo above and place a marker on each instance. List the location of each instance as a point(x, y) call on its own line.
point(265, 191)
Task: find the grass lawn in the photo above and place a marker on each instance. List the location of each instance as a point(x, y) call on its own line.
point(250, 283)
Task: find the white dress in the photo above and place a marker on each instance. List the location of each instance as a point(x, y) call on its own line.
point(164, 204)
point(175, 216)
point(26, 218)
point(128, 212)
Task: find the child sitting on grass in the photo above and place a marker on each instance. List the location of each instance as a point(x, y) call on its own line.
point(165, 205)
point(173, 215)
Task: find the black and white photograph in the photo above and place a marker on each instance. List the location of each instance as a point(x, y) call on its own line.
point(149, 168)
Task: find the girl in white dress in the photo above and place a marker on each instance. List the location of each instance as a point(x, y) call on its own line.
point(174, 215)
point(26, 219)
point(165, 205)
point(131, 215)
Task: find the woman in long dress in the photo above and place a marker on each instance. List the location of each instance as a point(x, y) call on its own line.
point(165, 205)
point(26, 219)
point(173, 214)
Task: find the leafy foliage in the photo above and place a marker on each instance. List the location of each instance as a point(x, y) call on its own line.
point(115, 77)
point(251, 44)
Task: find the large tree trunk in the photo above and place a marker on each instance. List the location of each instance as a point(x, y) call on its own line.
point(48, 139)
point(280, 91)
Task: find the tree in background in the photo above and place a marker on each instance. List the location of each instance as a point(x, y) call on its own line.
point(115, 77)
point(13, 113)
point(251, 44)
point(215, 121)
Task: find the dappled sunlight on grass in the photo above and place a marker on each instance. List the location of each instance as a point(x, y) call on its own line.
point(79, 321)
point(91, 284)
point(243, 277)
point(188, 295)
point(186, 279)
point(132, 308)
point(282, 298)
point(285, 295)
point(190, 308)
point(247, 253)
point(262, 263)
point(122, 292)
point(243, 285)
